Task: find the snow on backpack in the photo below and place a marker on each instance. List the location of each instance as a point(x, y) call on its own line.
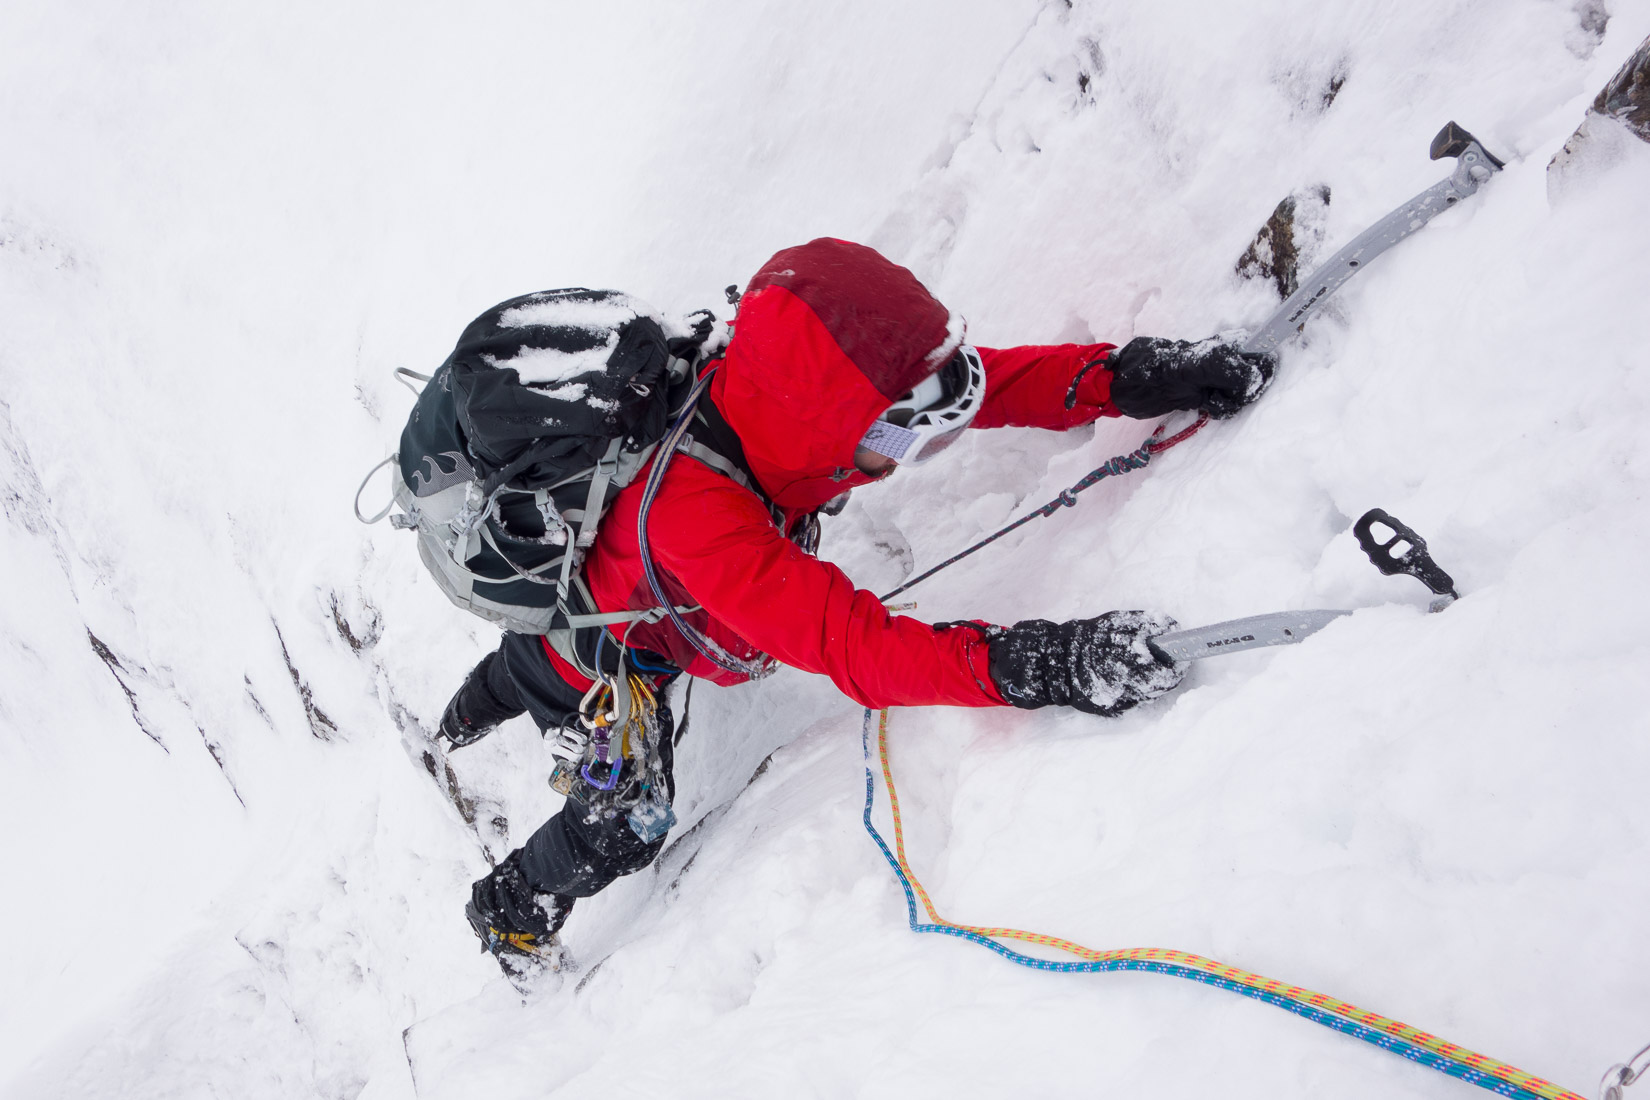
point(548, 406)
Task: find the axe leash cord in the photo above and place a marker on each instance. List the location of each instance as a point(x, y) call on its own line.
point(1137, 459)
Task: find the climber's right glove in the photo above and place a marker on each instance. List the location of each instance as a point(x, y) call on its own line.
point(1151, 376)
point(1102, 666)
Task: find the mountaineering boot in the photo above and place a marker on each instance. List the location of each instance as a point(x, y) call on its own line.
point(516, 923)
point(476, 710)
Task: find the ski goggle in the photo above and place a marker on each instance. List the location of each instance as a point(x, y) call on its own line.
point(930, 418)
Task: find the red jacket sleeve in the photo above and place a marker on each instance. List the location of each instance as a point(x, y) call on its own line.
point(718, 540)
point(1058, 386)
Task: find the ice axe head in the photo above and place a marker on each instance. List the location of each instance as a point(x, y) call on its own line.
point(1404, 552)
point(1473, 163)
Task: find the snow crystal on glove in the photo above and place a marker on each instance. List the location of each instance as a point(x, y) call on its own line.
point(1114, 666)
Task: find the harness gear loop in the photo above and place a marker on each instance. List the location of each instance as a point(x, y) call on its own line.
point(616, 735)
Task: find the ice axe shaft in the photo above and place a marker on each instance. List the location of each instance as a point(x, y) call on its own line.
point(1473, 165)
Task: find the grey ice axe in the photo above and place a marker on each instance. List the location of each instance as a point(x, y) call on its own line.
point(1473, 165)
point(1404, 552)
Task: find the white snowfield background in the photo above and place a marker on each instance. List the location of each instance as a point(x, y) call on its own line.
point(229, 869)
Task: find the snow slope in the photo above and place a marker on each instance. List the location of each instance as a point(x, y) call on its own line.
point(230, 867)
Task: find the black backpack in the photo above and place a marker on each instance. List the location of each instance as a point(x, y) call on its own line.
point(549, 405)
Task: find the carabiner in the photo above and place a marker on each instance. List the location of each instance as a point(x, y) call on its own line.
point(592, 702)
point(612, 775)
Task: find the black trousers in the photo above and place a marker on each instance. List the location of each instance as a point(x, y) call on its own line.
point(576, 853)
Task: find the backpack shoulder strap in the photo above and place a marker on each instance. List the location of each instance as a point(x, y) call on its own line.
point(714, 443)
point(693, 448)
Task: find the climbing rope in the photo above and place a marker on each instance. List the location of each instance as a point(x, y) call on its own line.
point(1136, 459)
point(1400, 1038)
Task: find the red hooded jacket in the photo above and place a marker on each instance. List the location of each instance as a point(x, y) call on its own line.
point(829, 334)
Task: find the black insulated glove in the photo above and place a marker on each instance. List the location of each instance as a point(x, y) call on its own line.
point(1152, 376)
point(1102, 666)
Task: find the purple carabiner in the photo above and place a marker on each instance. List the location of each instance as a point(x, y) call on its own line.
point(602, 739)
point(612, 775)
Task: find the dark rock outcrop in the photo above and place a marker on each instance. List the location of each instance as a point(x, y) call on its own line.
point(1627, 95)
point(1288, 241)
point(1620, 112)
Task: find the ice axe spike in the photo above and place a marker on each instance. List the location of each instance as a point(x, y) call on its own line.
point(1289, 627)
point(1473, 165)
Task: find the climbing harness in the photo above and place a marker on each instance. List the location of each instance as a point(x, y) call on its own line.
point(1412, 1043)
point(1137, 459)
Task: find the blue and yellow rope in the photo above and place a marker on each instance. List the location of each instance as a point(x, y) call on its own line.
point(1400, 1038)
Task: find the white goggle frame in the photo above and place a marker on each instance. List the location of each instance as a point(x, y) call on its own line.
point(935, 423)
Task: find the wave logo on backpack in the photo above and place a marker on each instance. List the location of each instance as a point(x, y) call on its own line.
point(549, 404)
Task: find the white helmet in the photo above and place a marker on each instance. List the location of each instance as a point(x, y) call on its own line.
point(928, 419)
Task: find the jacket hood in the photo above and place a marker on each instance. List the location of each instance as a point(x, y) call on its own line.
point(829, 334)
